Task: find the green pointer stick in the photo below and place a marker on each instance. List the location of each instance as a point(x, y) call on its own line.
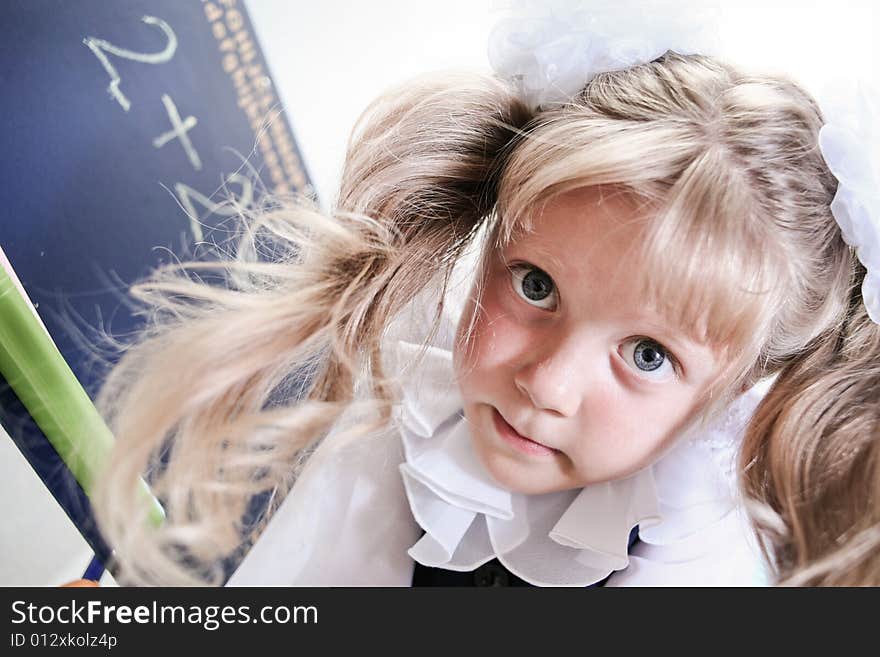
point(31, 363)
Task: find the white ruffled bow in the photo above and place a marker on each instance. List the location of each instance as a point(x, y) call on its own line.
point(569, 538)
point(552, 48)
point(850, 143)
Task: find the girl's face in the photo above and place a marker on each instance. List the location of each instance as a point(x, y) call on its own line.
point(569, 377)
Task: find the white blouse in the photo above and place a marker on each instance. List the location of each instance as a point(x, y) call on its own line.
point(356, 515)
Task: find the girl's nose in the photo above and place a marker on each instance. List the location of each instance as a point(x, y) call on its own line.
point(553, 381)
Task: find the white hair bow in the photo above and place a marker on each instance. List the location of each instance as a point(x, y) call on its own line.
point(850, 143)
point(552, 48)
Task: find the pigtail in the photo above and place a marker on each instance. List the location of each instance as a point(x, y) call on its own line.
point(811, 458)
point(230, 387)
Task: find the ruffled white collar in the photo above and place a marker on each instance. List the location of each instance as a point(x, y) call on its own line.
point(569, 538)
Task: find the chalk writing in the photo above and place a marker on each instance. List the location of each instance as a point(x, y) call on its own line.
point(99, 47)
point(188, 196)
point(239, 59)
point(179, 132)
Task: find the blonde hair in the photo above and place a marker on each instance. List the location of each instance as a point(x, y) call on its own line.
point(741, 248)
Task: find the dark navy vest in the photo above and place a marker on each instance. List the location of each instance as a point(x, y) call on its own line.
point(491, 573)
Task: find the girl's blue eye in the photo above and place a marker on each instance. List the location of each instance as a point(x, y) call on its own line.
point(534, 286)
point(650, 358)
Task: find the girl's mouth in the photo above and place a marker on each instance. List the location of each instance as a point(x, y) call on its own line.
point(523, 444)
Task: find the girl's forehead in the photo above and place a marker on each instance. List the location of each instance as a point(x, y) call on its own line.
point(584, 229)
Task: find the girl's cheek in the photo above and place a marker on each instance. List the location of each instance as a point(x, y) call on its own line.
point(497, 337)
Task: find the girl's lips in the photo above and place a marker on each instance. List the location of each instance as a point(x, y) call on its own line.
point(523, 444)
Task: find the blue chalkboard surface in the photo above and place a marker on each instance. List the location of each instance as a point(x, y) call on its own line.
point(126, 125)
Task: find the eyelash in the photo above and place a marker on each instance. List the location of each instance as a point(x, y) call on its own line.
point(516, 281)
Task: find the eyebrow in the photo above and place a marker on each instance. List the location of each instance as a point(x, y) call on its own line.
point(536, 251)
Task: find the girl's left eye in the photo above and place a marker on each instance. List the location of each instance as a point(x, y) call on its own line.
point(651, 359)
point(534, 286)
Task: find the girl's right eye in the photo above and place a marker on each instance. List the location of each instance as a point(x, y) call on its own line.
point(534, 286)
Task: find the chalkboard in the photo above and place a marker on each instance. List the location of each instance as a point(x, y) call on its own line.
point(126, 125)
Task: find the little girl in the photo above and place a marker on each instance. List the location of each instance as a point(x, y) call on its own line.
point(599, 341)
